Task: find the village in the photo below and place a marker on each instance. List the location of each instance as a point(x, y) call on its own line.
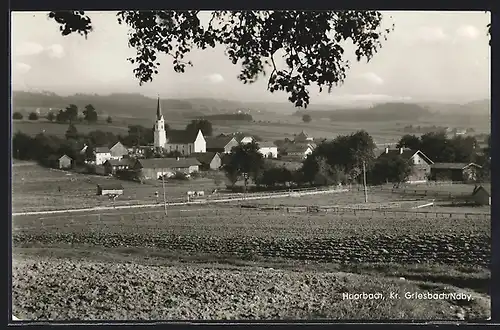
point(180, 154)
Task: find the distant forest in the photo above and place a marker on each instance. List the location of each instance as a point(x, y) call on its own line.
point(230, 116)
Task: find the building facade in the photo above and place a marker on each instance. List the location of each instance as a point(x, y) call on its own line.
point(182, 141)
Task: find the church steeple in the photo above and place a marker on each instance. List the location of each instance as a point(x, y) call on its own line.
point(158, 110)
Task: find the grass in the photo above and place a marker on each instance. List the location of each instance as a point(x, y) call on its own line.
point(36, 188)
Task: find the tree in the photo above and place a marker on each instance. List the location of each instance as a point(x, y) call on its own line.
point(197, 124)
point(310, 42)
point(90, 114)
point(72, 113)
point(22, 146)
point(109, 120)
point(409, 141)
point(464, 148)
point(231, 173)
point(33, 116)
point(71, 132)
point(306, 118)
point(437, 147)
point(62, 116)
point(245, 161)
point(17, 116)
point(138, 135)
point(51, 117)
point(390, 168)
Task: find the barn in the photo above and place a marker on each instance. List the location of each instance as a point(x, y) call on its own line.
point(208, 160)
point(154, 168)
point(459, 172)
point(482, 195)
point(109, 188)
point(63, 162)
point(113, 165)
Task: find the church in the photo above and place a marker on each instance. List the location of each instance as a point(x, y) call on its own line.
point(177, 140)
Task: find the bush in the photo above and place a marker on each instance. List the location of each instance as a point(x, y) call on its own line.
point(33, 116)
point(180, 176)
point(17, 116)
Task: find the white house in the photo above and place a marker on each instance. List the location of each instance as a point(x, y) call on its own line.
point(268, 149)
point(102, 154)
point(303, 137)
point(299, 150)
point(182, 141)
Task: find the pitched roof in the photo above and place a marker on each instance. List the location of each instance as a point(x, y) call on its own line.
point(486, 187)
point(453, 166)
point(218, 142)
point(203, 157)
point(110, 186)
point(267, 144)
point(168, 162)
point(158, 110)
point(121, 162)
point(102, 150)
point(297, 148)
point(181, 136)
point(65, 156)
point(406, 154)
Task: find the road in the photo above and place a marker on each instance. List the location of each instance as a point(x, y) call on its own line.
point(222, 200)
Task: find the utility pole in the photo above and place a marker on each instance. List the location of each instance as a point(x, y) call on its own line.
point(164, 194)
point(364, 182)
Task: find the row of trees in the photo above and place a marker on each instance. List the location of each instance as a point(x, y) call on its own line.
point(439, 148)
point(346, 158)
point(69, 114)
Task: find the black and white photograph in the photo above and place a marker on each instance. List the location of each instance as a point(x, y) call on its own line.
point(280, 165)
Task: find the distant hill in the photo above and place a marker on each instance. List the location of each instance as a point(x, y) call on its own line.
point(383, 111)
point(403, 111)
point(127, 105)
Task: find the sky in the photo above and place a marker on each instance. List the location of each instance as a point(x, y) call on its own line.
point(430, 56)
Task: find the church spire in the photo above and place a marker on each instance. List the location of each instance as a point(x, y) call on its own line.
point(158, 109)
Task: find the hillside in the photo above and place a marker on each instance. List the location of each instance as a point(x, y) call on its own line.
point(383, 111)
point(127, 105)
point(404, 111)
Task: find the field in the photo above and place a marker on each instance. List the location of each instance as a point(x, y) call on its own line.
point(43, 126)
point(36, 188)
point(80, 243)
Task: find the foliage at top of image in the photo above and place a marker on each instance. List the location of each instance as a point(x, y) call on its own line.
point(312, 43)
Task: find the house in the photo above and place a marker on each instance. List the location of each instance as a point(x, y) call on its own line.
point(113, 165)
point(185, 142)
point(208, 160)
point(154, 168)
point(246, 140)
point(268, 149)
point(101, 155)
point(139, 151)
point(482, 195)
point(63, 162)
point(118, 151)
point(222, 144)
point(298, 151)
point(109, 188)
point(303, 137)
point(455, 172)
point(421, 163)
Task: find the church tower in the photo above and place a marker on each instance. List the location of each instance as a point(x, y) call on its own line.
point(160, 135)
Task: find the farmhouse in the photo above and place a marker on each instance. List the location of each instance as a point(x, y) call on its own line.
point(183, 141)
point(268, 149)
point(303, 137)
point(208, 160)
point(482, 195)
point(113, 165)
point(111, 188)
point(298, 151)
point(63, 162)
point(222, 144)
point(101, 155)
point(455, 172)
point(118, 151)
point(421, 163)
point(154, 168)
